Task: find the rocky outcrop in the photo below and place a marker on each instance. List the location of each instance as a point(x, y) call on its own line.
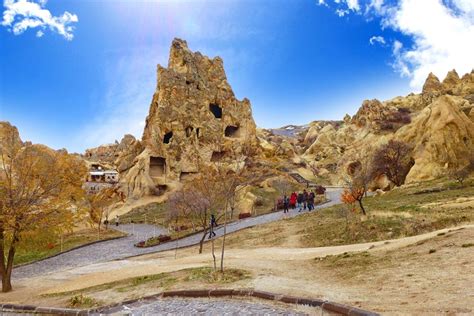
point(432, 84)
point(194, 119)
point(9, 133)
point(438, 122)
point(443, 137)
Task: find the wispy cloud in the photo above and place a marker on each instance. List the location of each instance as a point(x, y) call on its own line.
point(131, 82)
point(377, 39)
point(20, 15)
point(441, 32)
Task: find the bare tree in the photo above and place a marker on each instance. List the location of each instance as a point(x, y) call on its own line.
point(393, 159)
point(98, 204)
point(461, 173)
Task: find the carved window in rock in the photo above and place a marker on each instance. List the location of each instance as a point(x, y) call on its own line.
point(216, 110)
point(167, 137)
point(189, 130)
point(218, 155)
point(198, 132)
point(157, 166)
point(232, 131)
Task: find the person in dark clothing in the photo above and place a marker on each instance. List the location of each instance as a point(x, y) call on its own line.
point(212, 225)
point(299, 199)
point(311, 201)
point(305, 199)
point(286, 204)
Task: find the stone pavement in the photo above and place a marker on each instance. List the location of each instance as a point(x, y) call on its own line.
point(124, 247)
point(203, 306)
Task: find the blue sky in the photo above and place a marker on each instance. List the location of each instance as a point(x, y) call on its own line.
point(85, 74)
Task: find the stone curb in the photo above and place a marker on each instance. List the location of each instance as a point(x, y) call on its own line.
point(69, 250)
point(325, 305)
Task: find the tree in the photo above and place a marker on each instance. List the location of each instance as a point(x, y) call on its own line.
point(98, 204)
point(39, 188)
point(196, 200)
point(461, 173)
point(359, 172)
point(394, 160)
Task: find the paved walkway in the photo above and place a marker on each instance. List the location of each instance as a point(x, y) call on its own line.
point(186, 306)
point(124, 247)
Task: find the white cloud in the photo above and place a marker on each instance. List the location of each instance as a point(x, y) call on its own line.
point(377, 39)
point(20, 15)
point(39, 33)
point(441, 32)
point(343, 6)
point(131, 82)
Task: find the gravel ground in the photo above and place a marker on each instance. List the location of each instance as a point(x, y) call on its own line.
point(184, 306)
point(124, 247)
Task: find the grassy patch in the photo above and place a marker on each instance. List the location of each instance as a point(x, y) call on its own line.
point(33, 250)
point(208, 275)
point(161, 281)
point(398, 213)
point(82, 301)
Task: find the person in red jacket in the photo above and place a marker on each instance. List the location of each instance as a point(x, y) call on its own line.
point(293, 200)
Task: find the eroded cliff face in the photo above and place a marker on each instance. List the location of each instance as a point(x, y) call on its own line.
point(194, 119)
point(438, 123)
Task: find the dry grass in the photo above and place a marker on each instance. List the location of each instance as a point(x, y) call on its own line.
point(30, 251)
point(396, 214)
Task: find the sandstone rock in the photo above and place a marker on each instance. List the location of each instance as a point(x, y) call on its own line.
point(194, 119)
point(451, 81)
point(443, 137)
point(432, 84)
point(9, 133)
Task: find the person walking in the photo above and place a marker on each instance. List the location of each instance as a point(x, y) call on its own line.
point(286, 204)
point(299, 199)
point(212, 225)
point(305, 199)
point(117, 220)
point(311, 200)
point(293, 198)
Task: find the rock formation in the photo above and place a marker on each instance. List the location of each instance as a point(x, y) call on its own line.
point(443, 137)
point(194, 119)
point(437, 122)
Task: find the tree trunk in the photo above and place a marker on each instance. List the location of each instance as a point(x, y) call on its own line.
point(213, 255)
point(223, 239)
point(362, 207)
point(201, 242)
point(6, 286)
point(6, 278)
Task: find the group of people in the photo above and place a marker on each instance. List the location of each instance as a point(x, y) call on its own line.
point(302, 200)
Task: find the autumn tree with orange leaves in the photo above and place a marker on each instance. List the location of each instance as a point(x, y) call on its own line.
point(39, 188)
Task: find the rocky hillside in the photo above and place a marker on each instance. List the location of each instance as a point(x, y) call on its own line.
point(194, 119)
point(439, 123)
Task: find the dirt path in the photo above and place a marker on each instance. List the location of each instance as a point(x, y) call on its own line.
point(278, 269)
point(124, 247)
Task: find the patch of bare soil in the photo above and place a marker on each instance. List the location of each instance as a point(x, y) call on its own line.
point(391, 277)
point(433, 276)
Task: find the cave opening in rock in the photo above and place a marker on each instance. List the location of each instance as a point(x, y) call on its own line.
point(188, 131)
point(160, 189)
point(198, 131)
point(167, 137)
point(232, 131)
point(157, 166)
point(216, 110)
point(218, 155)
